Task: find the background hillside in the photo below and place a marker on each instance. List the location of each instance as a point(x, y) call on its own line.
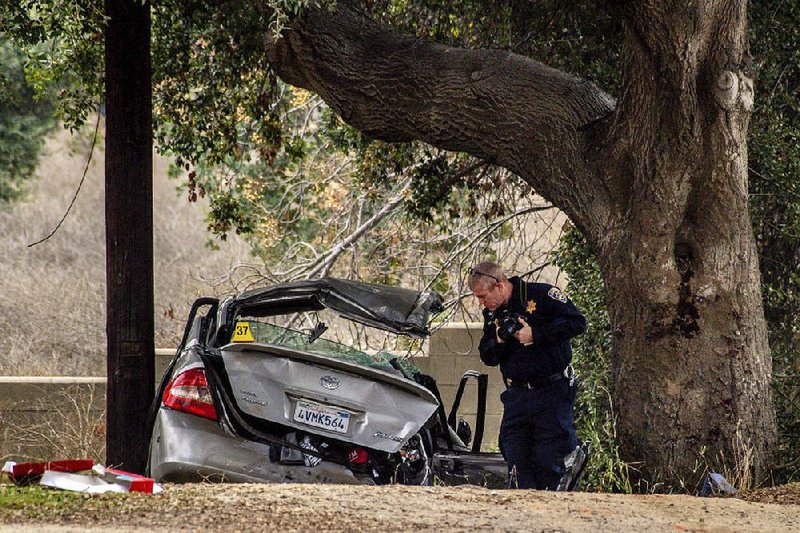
point(60, 283)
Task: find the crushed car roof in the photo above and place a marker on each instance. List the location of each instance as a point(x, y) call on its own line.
point(393, 309)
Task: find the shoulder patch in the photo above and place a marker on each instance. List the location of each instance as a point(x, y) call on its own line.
point(557, 294)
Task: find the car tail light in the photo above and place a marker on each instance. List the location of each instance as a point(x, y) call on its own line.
point(189, 392)
point(357, 456)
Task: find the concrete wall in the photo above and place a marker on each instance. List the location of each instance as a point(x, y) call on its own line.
point(52, 417)
point(40, 416)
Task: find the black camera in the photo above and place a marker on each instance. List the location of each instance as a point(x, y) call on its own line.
point(507, 324)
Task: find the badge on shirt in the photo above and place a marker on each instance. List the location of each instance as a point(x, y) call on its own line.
point(531, 307)
point(557, 294)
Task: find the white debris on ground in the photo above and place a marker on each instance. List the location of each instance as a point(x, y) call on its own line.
point(78, 475)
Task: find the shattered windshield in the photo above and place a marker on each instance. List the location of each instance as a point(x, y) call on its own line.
point(264, 333)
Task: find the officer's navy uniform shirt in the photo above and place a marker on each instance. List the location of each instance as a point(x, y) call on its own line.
point(553, 318)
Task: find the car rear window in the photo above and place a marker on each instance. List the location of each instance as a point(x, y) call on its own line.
point(271, 334)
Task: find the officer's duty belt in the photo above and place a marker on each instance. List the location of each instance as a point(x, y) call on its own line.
point(537, 384)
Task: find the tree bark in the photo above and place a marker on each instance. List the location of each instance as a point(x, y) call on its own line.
point(693, 366)
point(493, 104)
point(657, 183)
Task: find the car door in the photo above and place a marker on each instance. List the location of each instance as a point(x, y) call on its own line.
point(455, 464)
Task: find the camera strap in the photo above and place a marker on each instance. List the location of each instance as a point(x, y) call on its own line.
point(523, 294)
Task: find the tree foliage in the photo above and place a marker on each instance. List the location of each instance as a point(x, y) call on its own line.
point(775, 205)
point(24, 121)
point(63, 45)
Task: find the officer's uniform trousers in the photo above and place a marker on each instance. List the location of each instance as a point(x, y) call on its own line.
point(536, 433)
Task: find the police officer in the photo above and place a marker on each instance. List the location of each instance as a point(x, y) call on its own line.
point(537, 429)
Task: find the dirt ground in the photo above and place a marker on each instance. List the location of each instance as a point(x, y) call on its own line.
point(207, 507)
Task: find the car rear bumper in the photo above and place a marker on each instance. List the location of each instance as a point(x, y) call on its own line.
point(188, 448)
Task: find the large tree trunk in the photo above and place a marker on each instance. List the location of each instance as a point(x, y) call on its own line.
point(692, 368)
point(658, 183)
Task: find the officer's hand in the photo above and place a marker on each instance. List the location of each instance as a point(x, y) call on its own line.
point(525, 335)
point(496, 334)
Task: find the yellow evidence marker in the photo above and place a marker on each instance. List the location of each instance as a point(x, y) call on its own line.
point(242, 333)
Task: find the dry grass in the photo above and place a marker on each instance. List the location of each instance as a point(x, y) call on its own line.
point(70, 425)
point(740, 472)
point(52, 308)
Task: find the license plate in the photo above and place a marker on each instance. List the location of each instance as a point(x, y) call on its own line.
point(321, 416)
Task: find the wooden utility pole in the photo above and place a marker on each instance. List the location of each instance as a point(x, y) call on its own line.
point(129, 232)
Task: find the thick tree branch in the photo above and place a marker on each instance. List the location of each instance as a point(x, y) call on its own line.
point(495, 105)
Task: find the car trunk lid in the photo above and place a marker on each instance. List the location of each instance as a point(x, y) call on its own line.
point(394, 309)
point(366, 406)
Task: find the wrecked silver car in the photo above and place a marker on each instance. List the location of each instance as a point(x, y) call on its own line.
point(246, 400)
